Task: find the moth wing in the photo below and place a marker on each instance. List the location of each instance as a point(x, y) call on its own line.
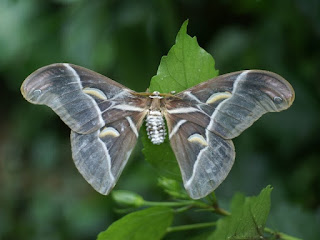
point(236, 100)
point(204, 158)
point(202, 121)
point(80, 97)
point(100, 156)
point(104, 117)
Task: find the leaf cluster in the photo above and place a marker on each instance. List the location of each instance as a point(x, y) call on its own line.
point(246, 221)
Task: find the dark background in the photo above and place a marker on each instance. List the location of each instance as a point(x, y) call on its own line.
point(42, 194)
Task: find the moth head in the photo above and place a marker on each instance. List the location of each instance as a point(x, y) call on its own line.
point(156, 94)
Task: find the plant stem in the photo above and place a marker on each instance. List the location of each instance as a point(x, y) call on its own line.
point(282, 236)
point(182, 209)
point(193, 203)
point(190, 226)
point(221, 211)
point(178, 204)
point(168, 204)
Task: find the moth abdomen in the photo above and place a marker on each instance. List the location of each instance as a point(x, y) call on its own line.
point(156, 129)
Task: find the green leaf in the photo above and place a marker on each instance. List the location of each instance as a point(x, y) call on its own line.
point(173, 188)
point(186, 65)
point(146, 224)
point(201, 236)
point(248, 217)
point(161, 157)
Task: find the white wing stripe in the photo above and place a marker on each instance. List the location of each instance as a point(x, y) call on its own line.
point(108, 159)
point(239, 78)
point(176, 128)
point(126, 107)
point(133, 126)
point(191, 96)
point(94, 103)
point(183, 110)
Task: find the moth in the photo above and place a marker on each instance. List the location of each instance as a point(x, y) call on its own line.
point(105, 118)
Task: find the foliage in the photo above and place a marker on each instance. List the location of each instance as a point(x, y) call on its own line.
point(247, 220)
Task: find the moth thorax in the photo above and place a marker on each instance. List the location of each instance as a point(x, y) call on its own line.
point(156, 129)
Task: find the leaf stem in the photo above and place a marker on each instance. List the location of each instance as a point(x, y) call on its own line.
point(191, 203)
point(178, 204)
point(183, 209)
point(168, 204)
point(190, 226)
point(281, 235)
point(221, 211)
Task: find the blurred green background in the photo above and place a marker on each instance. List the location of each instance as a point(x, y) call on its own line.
point(42, 194)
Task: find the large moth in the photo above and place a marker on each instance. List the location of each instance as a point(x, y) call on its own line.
point(105, 118)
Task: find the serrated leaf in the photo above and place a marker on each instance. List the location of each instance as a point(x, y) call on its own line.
point(248, 217)
point(186, 65)
point(146, 224)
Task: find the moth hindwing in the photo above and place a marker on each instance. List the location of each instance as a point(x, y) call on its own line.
point(105, 118)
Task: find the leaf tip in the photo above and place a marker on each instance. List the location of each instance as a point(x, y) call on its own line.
point(183, 30)
point(268, 188)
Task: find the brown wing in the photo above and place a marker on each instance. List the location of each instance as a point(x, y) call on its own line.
point(104, 116)
point(203, 118)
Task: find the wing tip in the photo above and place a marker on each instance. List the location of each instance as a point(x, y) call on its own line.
point(30, 87)
point(195, 194)
point(105, 189)
point(288, 91)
